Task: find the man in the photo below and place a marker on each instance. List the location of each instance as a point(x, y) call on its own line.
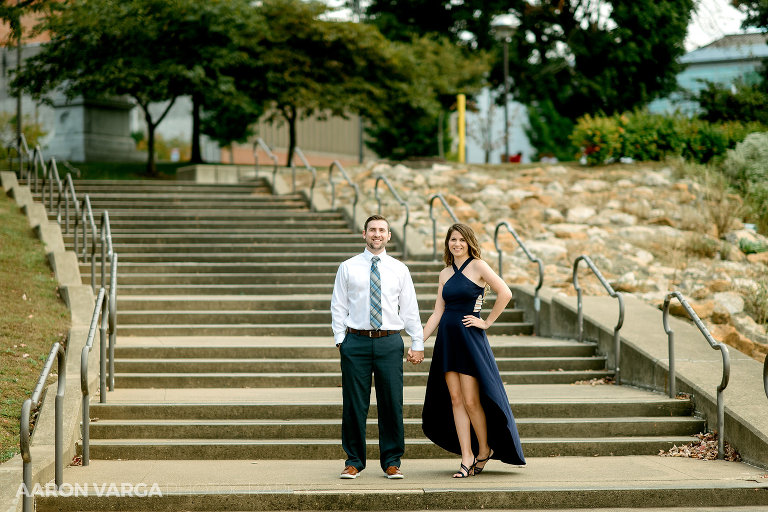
point(373, 299)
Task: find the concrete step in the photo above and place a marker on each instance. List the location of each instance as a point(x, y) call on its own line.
point(287, 317)
point(330, 428)
point(224, 215)
point(140, 197)
point(248, 258)
point(317, 347)
point(120, 224)
point(162, 202)
point(314, 449)
point(607, 484)
point(307, 379)
point(277, 280)
point(241, 302)
point(509, 328)
point(331, 364)
point(225, 408)
point(308, 239)
point(236, 247)
point(150, 185)
point(247, 268)
point(323, 289)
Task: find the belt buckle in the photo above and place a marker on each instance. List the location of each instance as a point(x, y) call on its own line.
point(370, 333)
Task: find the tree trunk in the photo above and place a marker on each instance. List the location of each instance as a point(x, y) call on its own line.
point(290, 115)
point(196, 157)
point(151, 126)
point(151, 166)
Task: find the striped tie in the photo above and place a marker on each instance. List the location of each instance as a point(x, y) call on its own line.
point(375, 294)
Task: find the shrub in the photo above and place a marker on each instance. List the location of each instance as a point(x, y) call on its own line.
point(599, 137)
point(747, 167)
point(756, 301)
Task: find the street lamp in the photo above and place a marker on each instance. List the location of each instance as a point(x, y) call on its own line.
point(503, 27)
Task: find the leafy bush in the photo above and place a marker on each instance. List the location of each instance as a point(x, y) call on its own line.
point(653, 137)
point(599, 137)
point(752, 247)
point(756, 301)
point(747, 167)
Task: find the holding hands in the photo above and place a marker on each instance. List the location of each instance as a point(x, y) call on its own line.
point(415, 356)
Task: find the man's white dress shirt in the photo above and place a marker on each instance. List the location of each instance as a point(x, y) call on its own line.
point(351, 301)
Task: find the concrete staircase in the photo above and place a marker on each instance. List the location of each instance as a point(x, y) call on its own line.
point(225, 355)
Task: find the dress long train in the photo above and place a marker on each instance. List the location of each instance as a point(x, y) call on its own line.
point(466, 350)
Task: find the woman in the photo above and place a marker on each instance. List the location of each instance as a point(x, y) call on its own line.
point(464, 384)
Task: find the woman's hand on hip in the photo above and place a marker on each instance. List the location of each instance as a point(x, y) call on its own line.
point(473, 321)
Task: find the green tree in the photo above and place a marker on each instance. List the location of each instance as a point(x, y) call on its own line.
point(434, 71)
point(756, 12)
point(150, 50)
point(743, 101)
point(580, 56)
point(303, 66)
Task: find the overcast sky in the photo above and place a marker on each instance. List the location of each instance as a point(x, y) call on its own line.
point(712, 20)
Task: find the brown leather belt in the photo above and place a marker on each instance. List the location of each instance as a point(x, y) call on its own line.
point(371, 334)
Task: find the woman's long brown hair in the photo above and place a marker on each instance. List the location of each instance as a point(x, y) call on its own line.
point(469, 236)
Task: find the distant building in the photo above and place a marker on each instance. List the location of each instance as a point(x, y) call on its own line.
point(723, 61)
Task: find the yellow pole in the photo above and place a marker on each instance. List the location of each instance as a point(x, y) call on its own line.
point(462, 102)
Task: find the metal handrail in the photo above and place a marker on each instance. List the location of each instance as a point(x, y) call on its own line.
point(86, 219)
point(51, 172)
point(354, 186)
point(31, 405)
point(105, 236)
point(37, 158)
point(434, 221)
point(263, 145)
point(68, 189)
point(612, 293)
point(536, 298)
point(399, 200)
point(765, 375)
point(715, 345)
point(99, 310)
point(22, 150)
point(298, 152)
point(112, 318)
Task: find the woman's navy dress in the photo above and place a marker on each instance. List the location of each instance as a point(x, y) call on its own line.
point(466, 350)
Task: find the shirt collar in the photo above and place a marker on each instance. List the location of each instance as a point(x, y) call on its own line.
point(368, 254)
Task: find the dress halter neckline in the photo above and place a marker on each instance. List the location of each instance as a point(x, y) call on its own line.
point(463, 266)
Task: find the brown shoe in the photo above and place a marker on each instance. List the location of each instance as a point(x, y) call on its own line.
point(394, 472)
point(350, 472)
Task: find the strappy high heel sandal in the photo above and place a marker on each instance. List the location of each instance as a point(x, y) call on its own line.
point(479, 469)
point(464, 471)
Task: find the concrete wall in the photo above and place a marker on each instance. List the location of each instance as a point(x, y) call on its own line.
point(645, 361)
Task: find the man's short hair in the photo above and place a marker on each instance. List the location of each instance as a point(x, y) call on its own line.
point(375, 217)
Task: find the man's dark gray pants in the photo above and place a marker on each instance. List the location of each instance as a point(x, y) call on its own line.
point(362, 357)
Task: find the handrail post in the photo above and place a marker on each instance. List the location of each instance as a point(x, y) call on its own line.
point(103, 343)
point(536, 298)
point(112, 319)
point(765, 375)
point(31, 405)
point(354, 186)
point(298, 152)
point(580, 313)
point(84, 388)
point(263, 145)
point(399, 200)
point(724, 353)
point(434, 220)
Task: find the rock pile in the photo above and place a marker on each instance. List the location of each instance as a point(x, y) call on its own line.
point(648, 231)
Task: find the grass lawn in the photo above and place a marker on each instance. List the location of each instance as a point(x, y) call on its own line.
point(32, 318)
